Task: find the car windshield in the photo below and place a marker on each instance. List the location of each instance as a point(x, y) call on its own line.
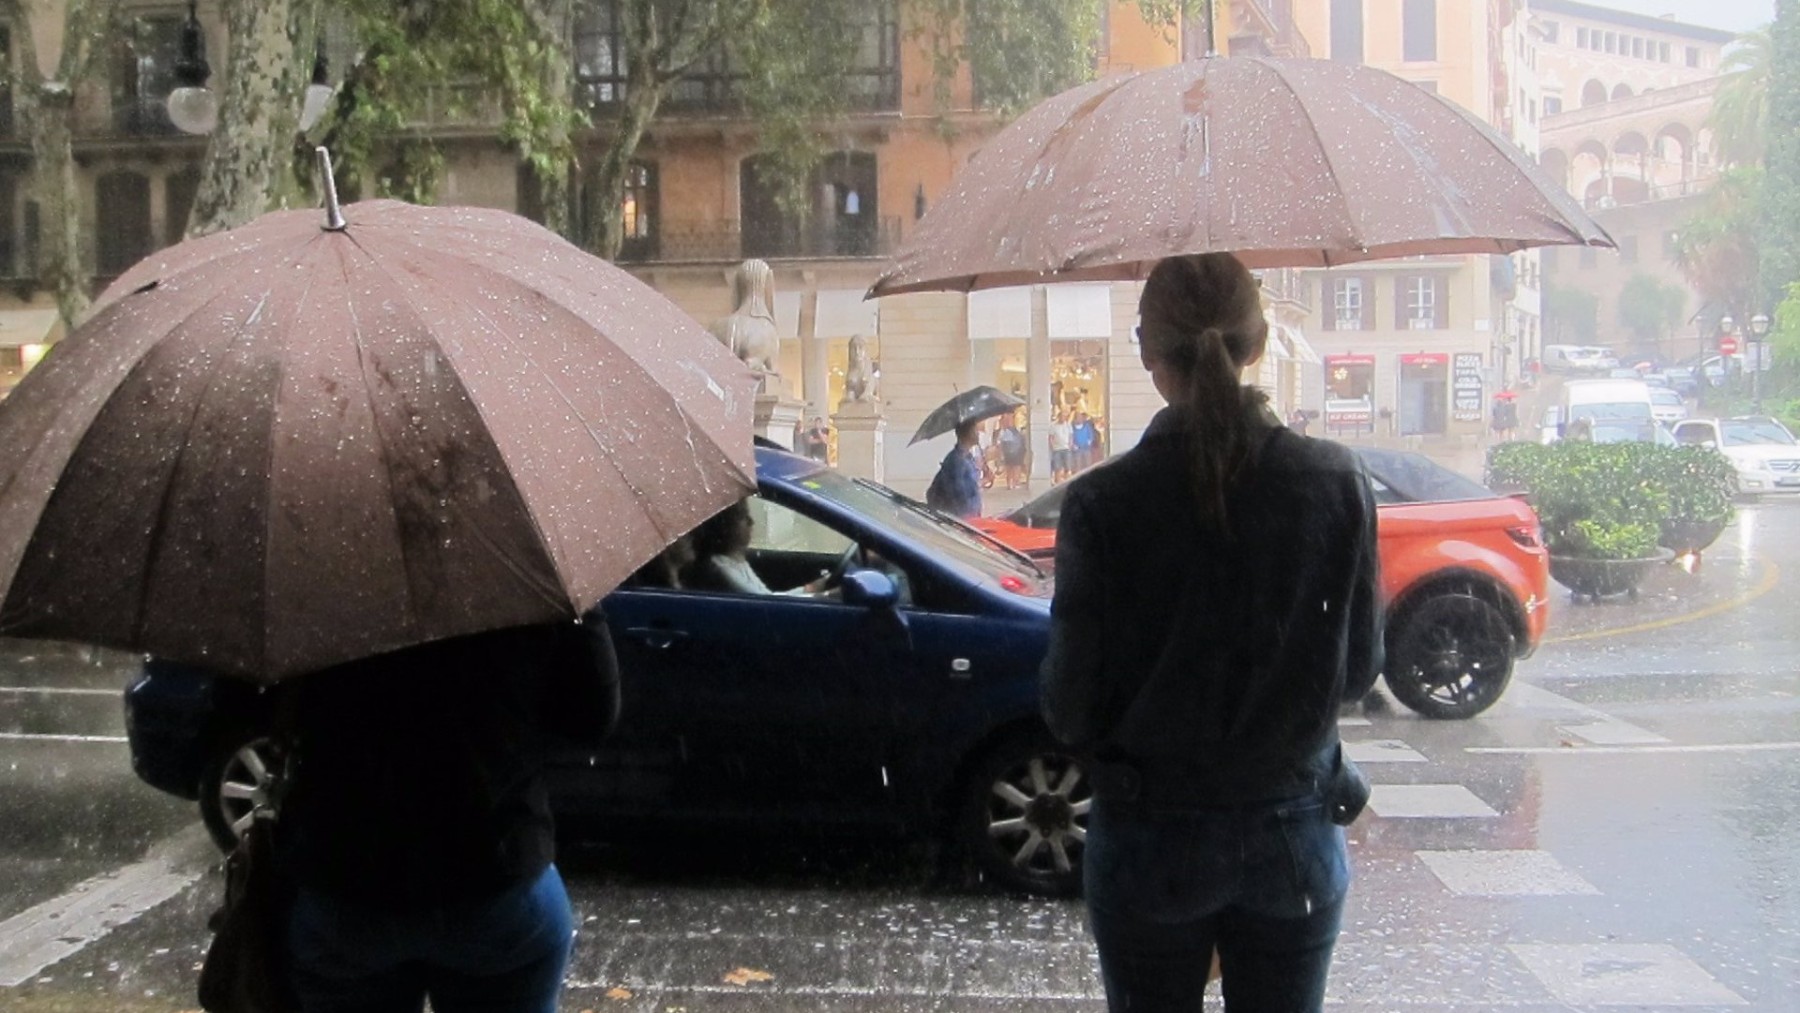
point(945, 536)
point(1042, 512)
point(1415, 478)
point(1599, 410)
point(1665, 397)
point(1747, 432)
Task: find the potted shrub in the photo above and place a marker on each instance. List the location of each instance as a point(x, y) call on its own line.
point(1699, 481)
point(1602, 510)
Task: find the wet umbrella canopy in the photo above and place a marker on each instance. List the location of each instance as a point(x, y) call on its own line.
point(285, 446)
point(972, 405)
point(1284, 162)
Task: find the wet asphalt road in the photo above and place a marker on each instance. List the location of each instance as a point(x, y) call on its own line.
point(1619, 832)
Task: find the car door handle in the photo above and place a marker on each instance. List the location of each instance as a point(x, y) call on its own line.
point(660, 637)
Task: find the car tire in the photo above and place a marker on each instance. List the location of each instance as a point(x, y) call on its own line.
point(1450, 656)
point(235, 781)
point(1023, 818)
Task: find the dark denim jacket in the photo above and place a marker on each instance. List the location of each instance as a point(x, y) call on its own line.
point(1212, 667)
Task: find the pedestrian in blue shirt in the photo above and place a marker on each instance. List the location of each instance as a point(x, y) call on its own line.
point(1086, 438)
point(956, 489)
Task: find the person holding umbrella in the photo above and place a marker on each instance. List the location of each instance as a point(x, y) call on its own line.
point(956, 488)
point(418, 828)
point(1216, 601)
point(388, 462)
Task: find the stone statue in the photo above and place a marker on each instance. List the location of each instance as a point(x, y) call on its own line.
point(861, 372)
point(750, 329)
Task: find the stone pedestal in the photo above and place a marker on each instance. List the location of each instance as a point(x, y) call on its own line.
point(861, 428)
point(777, 417)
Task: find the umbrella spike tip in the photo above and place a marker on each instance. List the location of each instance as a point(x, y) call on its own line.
point(334, 215)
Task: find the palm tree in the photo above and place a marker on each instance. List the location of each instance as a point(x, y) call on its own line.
point(1716, 249)
point(1740, 114)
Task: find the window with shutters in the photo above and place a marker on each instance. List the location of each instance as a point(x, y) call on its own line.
point(1419, 303)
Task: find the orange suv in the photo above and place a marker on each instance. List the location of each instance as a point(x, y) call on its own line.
point(1463, 571)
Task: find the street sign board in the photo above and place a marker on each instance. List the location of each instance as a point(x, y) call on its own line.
point(1728, 344)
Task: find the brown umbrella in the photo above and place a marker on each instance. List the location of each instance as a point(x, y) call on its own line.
point(1284, 162)
point(285, 446)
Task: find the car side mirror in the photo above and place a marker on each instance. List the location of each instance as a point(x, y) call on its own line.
point(870, 589)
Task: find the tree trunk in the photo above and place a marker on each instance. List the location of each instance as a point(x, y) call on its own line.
point(47, 112)
point(646, 82)
point(605, 199)
point(249, 162)
point(49, 115)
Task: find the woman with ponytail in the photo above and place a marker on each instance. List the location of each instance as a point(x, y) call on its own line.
point(1216, 601)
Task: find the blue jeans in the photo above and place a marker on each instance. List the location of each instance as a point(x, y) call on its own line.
point(1265, 887)
point(502, 954)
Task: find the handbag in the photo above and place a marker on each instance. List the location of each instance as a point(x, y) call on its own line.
point(246, 967)
point(1348, 791)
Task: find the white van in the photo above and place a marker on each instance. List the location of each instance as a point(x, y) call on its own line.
point(1579, 359)
point(1617, 410)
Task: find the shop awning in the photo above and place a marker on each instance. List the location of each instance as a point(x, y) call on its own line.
point(27, 327)
point(1000, 313)
point(1078, 311)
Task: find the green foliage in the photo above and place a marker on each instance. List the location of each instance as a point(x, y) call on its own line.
point(1740, 114)
point(1612, 500)
point(1779, 228)
point(1650, 309)
point(421, 62)
point(1717, 249)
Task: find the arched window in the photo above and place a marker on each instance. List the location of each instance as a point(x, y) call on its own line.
point(1593, 93)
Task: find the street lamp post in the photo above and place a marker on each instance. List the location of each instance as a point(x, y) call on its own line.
point(193, 107)
point(1759, 329)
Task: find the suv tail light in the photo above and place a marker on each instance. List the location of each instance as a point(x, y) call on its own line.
point(1526, 537)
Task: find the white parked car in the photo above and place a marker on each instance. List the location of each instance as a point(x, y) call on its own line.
point(1761, 449)
point(1666, 406)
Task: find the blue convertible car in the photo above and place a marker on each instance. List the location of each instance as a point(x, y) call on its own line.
point(905, 700)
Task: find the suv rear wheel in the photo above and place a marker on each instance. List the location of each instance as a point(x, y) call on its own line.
point(1450, 656)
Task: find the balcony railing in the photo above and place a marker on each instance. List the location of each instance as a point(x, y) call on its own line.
point(1287, 284)
point(676, 241)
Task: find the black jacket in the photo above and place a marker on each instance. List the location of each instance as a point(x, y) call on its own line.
point(419, 771)
point(1212, 667)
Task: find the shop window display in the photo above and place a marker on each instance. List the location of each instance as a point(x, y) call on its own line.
point(1349, 394)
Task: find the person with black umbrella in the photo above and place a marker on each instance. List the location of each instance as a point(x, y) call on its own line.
point(956, 489)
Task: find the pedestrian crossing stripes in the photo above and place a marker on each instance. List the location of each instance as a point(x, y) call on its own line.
point(1504, 873)
point(1574, 973)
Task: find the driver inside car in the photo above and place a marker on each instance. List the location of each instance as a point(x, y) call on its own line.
point(721, 547)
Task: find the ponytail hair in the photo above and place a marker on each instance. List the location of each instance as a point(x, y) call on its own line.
point(1202, 316)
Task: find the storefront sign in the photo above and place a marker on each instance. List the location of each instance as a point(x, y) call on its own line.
point(1348, 413)
point(1465, 387)
point(1349, 393)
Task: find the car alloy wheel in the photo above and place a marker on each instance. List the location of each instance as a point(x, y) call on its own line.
point(236, 782)
point(1026, 817)
point(1450, 657)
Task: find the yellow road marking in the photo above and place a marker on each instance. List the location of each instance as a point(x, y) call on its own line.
point(1771, 576)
